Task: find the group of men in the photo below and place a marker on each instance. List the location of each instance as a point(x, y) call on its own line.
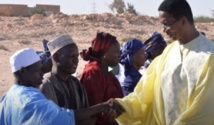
point(176, 89)
point(25, 104)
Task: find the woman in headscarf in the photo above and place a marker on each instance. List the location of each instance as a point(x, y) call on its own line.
point(154, 46)
point(99, 84)
point(132, 59)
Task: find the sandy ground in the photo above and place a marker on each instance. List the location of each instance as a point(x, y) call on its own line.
point(21, 32)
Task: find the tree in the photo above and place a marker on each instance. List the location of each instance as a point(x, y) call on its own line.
point(37, 11)
point(118, 6)
point(131, 9)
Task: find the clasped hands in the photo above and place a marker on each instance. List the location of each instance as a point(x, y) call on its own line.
point(114, 109)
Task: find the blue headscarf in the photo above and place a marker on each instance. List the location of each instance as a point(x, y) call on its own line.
point(44, 55)
point(155, 41)
point(129, 48)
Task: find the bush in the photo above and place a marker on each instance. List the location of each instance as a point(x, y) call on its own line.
point(118, 6)
point(37, 11)
point(2, 47)
point(202, 19)
point(131, 9)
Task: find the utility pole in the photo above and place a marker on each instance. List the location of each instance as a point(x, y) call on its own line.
point(94, 7)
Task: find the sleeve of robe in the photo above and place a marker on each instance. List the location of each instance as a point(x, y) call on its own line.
point(48, 113)
point(138, 104)
point(32, 108)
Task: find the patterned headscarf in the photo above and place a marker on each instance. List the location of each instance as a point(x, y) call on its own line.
point(99, 46)
point(155, 41)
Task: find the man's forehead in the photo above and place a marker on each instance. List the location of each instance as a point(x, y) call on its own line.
point(165, 16)
point(36, 65)
point(68, 50)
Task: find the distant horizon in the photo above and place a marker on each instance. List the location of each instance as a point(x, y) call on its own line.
point(143, 7)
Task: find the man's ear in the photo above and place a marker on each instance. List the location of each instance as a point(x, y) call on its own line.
point(184, 20)
point(56, 57)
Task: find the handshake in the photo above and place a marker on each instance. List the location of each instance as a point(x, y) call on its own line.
point(110, 110)
point(113, 109)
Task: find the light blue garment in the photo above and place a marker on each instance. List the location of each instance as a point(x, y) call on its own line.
point(28, 106)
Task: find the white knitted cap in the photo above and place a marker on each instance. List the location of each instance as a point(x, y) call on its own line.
point(23, 58)
point(58, 43)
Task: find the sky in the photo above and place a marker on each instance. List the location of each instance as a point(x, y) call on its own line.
point(144, 7)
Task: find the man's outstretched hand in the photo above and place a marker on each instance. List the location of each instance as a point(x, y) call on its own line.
point(116, 109)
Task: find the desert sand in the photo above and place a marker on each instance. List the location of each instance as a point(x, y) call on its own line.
point(21, 32)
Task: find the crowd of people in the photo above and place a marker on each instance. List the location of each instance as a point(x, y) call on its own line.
point(157, 84)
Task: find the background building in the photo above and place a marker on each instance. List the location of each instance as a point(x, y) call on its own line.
point(14, 10)
point(24, 10)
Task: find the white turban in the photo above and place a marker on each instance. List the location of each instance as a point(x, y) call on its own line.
point(23, 58)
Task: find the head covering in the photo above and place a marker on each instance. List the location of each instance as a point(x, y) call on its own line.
point(23, 58)
point(45, 45)
point(129, 48)
point(99, 46)
point(155, 41)
point(132, 75)
point(44, 55)
point(59, 43)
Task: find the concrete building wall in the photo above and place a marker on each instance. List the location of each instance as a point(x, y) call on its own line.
point(13, 10)
point(5, 10)
point(49, 8)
